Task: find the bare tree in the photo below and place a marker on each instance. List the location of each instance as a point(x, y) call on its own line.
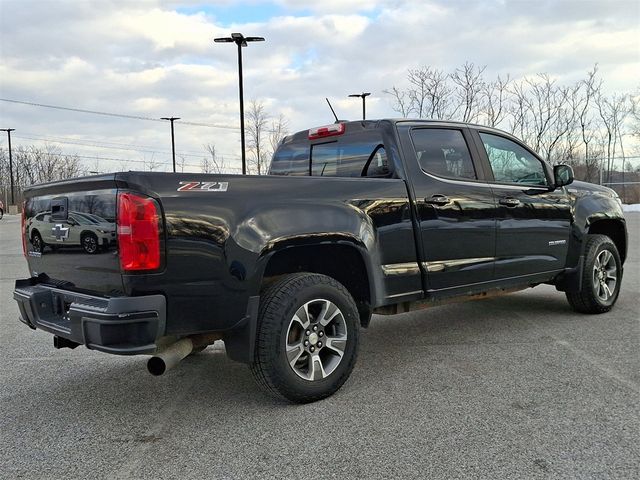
point(574, 123)
point(469, 85)
point(279, 130)
point(613, 112)
point(401, 101)
point(427, 94)
point(151, 164)
point(37, 164)
point(495, 101)
point(256, 129)
point(212, 162)
point(181, 163)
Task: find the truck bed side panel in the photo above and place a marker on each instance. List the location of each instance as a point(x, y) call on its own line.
point(219, 237)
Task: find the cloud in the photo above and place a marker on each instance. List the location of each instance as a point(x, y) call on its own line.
point(157, 58)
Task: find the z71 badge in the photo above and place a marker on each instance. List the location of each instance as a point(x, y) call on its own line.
point(203, 186)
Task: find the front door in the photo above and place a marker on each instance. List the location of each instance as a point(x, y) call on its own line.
point(534, 221)
point(455, 211)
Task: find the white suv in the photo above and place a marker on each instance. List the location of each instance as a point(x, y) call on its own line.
point(77, 230)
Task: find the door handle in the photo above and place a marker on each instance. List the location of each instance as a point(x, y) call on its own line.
point(440, 200)
point(509, 202)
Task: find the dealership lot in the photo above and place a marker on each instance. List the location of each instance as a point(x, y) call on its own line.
point(518, 386)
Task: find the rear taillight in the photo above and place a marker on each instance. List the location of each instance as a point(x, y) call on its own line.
point(23, 232)
point(138, 232)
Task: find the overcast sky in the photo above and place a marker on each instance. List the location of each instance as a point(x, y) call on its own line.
point(156, 58)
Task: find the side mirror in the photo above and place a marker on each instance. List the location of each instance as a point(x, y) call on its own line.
point(562, 175)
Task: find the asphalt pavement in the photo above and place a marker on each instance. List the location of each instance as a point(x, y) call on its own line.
point(512, 387)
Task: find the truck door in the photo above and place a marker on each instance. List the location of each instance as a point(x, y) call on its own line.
point(534, 222)
point(455, 211)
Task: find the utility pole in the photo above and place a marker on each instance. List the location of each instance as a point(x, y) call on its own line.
point(9, 130)
point(241, 41)
point(362, 95)
point(173, 142)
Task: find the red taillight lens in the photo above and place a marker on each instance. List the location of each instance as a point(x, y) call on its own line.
point(23, 232)
point(326, 131)
point(138, 232)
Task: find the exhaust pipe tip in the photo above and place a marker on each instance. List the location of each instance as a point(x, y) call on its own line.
point(174, 353)
point(156, 366)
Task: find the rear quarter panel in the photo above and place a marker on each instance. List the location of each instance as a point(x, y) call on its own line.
point(218, 242)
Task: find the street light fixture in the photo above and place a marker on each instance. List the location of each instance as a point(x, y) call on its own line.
point(173, 143)
point(362, 95)
point(241, 41)
point(9, 130)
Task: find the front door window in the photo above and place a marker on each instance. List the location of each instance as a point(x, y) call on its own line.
point(512, 163)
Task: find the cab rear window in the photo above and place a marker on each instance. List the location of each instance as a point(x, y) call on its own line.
point(291, 159)
point(359, 155)
point(343, 159)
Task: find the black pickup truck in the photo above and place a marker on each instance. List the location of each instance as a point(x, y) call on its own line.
point(354, 218)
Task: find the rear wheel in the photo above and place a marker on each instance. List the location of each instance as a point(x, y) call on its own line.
point(601, 277)
point(36, 241)
point(89, 243)
point(1, 213)
point(307, 337)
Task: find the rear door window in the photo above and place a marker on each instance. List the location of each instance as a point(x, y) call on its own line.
point(443, 152)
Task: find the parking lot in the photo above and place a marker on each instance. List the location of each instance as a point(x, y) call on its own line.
point(512, 387)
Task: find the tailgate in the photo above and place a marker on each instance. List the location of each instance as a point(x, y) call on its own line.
point(70, 233)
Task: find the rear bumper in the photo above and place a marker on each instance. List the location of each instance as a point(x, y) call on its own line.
point(118, 325)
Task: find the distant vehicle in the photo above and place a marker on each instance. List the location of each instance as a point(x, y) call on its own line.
point(354, 218)
point(76, 230)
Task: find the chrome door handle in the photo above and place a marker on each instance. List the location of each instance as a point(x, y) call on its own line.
point(509, 202)
point(437, 200)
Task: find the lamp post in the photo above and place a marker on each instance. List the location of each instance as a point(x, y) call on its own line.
point(362, 95)
point(241, 41)
point(173, 143)
point(9, 130)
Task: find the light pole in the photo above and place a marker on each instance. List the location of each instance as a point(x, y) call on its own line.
point(173, 142)
point(362, 95)
point(9, 130)
point(241, 41)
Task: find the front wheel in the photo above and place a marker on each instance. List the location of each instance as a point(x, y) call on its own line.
point(307, 337)
point(1, 213)
point(601, 277)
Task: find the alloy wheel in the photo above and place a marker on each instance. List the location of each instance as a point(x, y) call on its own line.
point(605, 275)
point(316, 339)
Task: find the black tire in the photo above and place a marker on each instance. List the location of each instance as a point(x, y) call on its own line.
point(37, 242)
point(1, 213)
point(278, 304)
point(589, 298)
point(89, 243)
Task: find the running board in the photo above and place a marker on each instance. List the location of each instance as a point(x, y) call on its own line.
point(405, 307)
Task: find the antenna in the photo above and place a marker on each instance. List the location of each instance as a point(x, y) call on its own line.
point(332, 110)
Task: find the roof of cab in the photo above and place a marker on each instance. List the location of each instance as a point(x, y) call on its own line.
point(361, 125)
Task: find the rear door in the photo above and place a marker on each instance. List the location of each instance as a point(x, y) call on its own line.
point(455, 210)
point(533, 222)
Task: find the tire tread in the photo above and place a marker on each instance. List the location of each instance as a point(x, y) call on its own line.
point(584, 301)
point(272, 301)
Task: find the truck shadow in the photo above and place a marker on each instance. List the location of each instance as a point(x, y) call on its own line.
point(121, 386)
